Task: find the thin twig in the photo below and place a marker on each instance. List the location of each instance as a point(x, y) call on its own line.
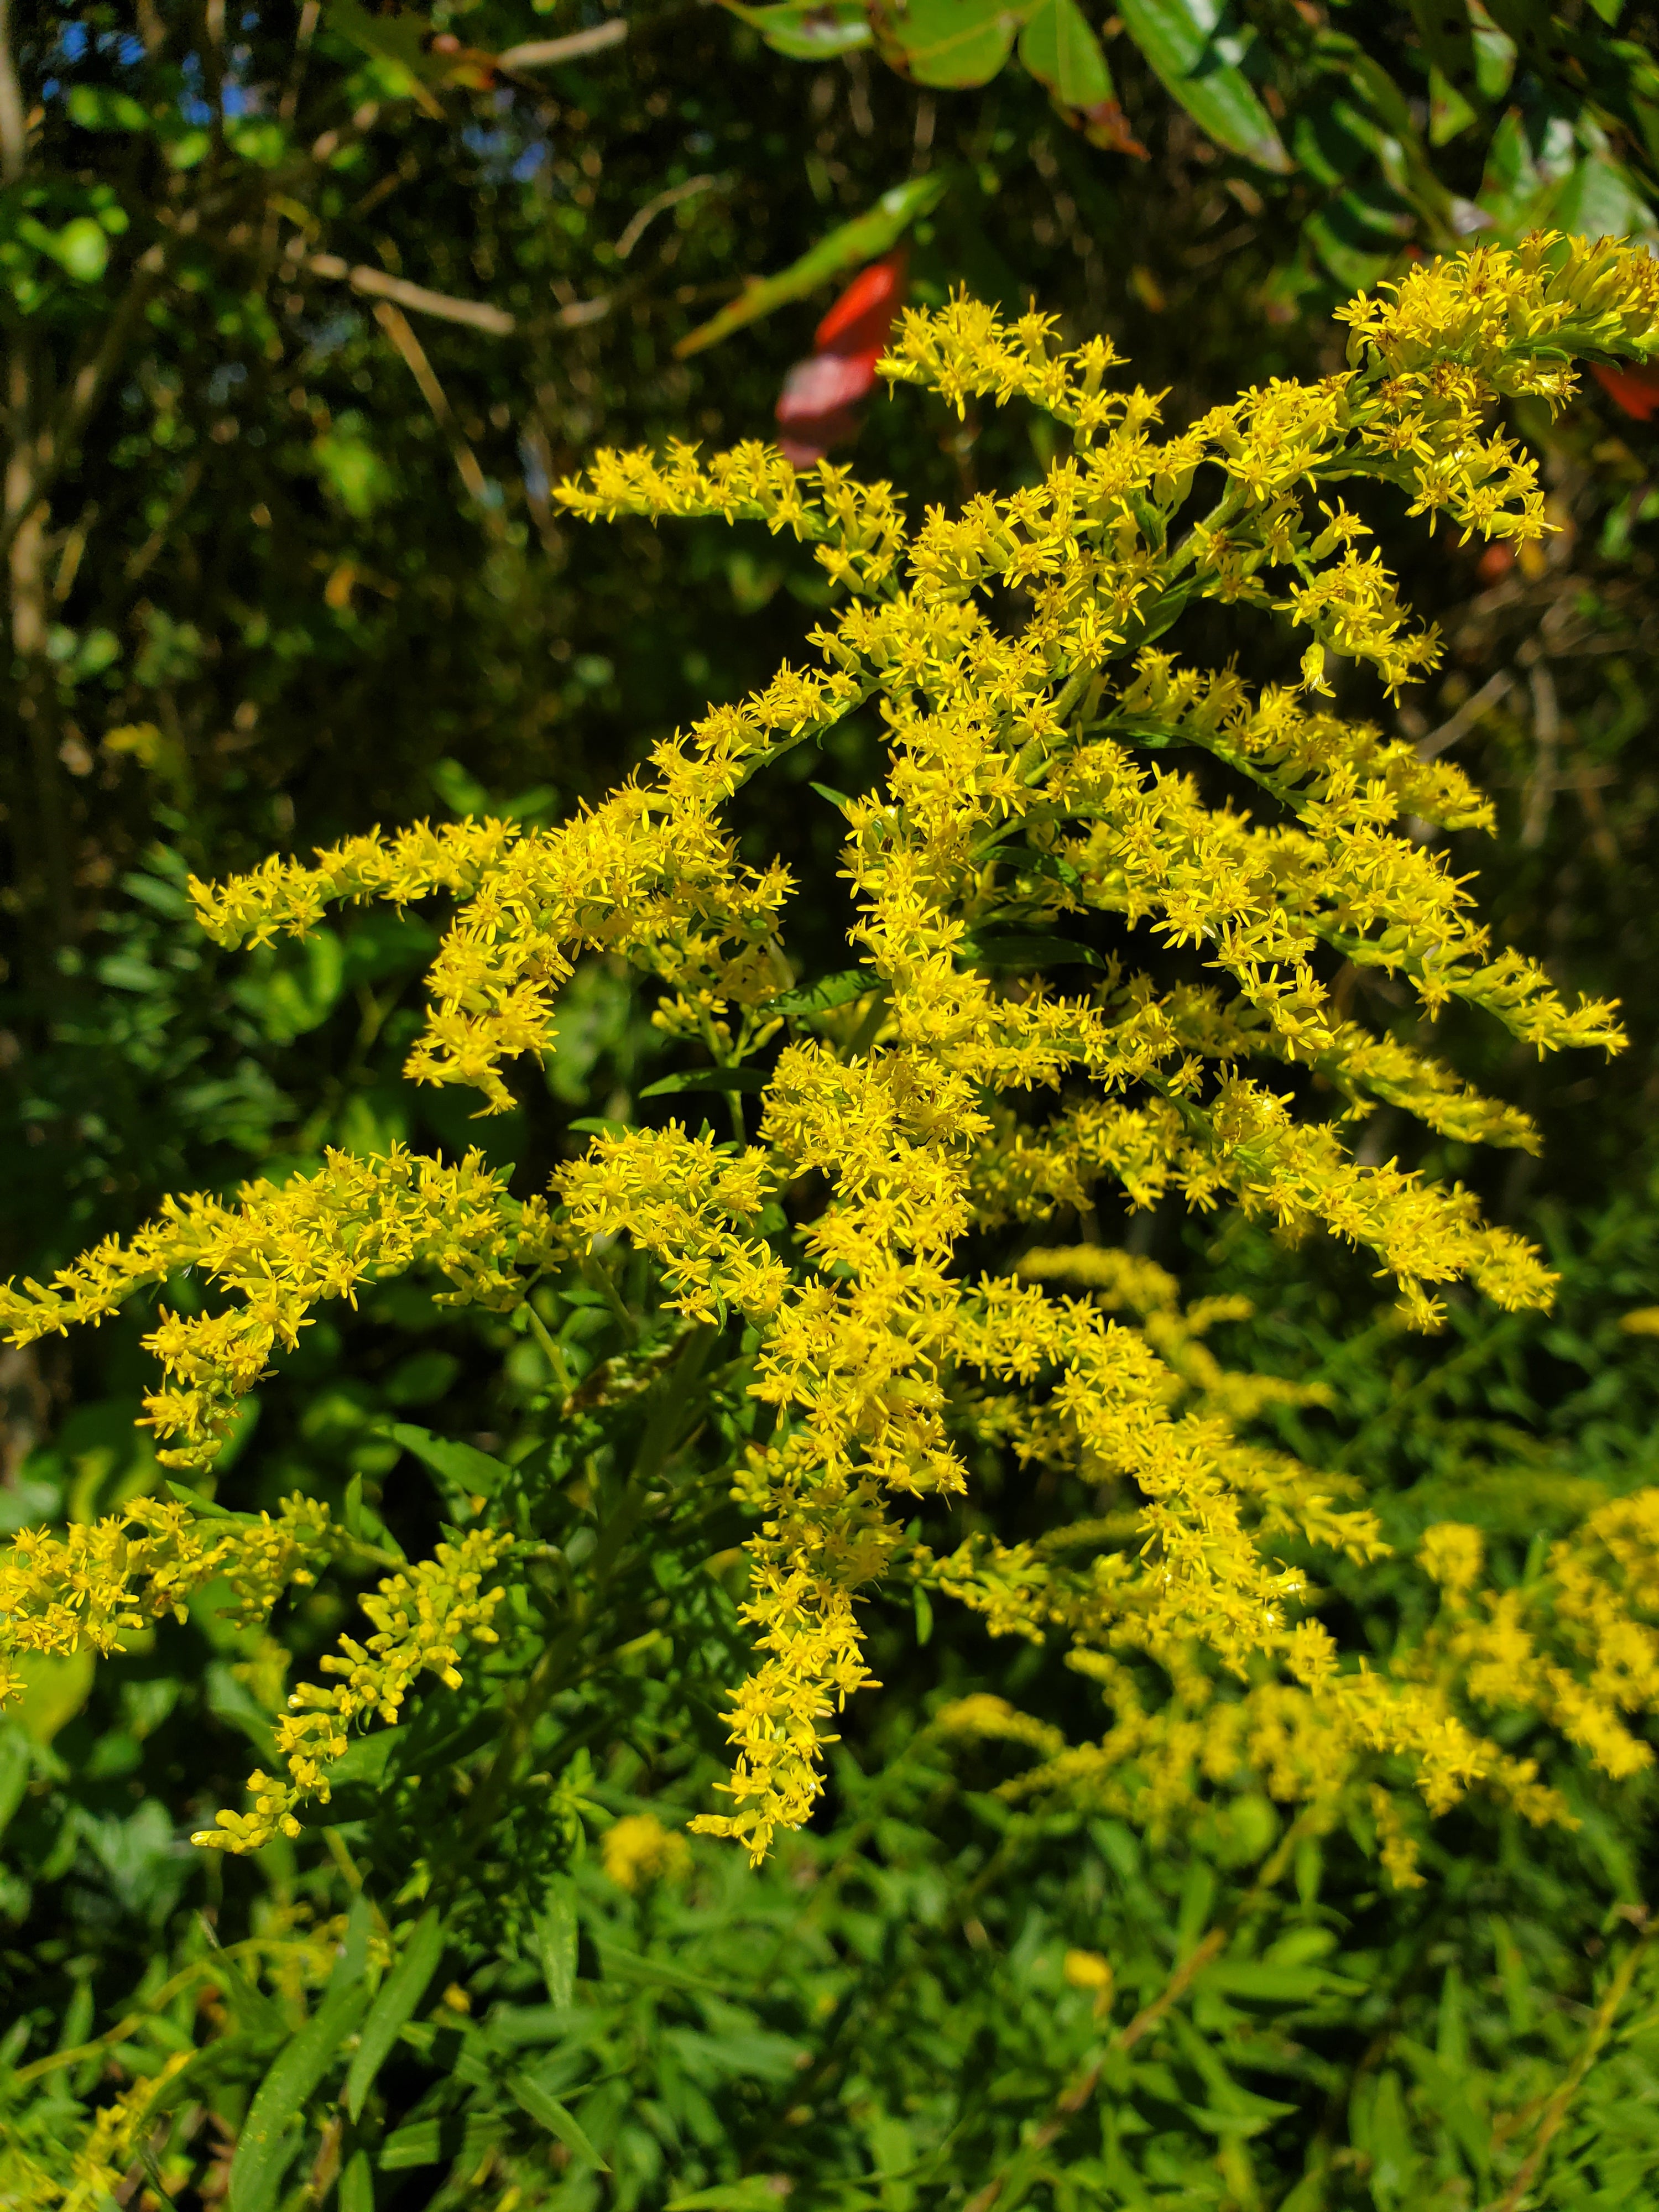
point(396, 327)
point(1547, 733)
point(543, 53)
point(477, 314)
point(1458, 724)
point(653, 208)
point(14, 123)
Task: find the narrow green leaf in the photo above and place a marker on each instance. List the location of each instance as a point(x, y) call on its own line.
point(553, 1938)
point(458, 1462)
point(1185, 45)
point(836, 797)
point(837, 990)
point(401, 1991)
point(548, 2112)
point(708, 1079)
point(849, 246)
point(269, 2136)
point(357, 2192)
point(1028, 952)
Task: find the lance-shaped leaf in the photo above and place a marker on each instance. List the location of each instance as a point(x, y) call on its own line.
point(1191, 46)
point(269, 2134)
point(401, 1991)
point(808, 30)
point(848, 247)
point(1061, 52)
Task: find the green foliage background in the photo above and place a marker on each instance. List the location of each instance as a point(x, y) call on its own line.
point(296, 572)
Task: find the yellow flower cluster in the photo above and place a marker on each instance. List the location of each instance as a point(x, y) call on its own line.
point(423, 1620)
point(638, 1848)
point(98, 2170)
point(83, 1589)
point(1024, 812)
point(281, 1250)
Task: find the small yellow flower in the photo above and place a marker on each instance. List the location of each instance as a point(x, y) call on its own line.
point(638, 1848)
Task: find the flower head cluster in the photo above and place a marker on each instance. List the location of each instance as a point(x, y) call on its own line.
point(1046, 813)
point(84, 1589)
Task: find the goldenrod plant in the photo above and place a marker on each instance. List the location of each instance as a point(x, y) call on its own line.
point(1084, 977)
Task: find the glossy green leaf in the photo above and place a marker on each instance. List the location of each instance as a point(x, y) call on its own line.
point(399, 1994)
point(849, 246)
point(1191, 46)
point(269, 2136)
point(808, 30)
point(954, 43)
point(1060, 51)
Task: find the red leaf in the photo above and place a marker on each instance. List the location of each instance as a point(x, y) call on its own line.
point(826, 382)
point(861, 319)
point(1635, 389)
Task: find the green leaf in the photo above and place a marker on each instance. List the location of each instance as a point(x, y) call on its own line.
point(1448, 37)
point(424, 2142)
point(837, 990)
point(401, 1991)
point(864, 238)
point(81, 249)
point(553, 1940)
point(708, 1079)
point(955, 43)
point(836, 797)
point(1187, 46)
point(808, 30)
point(399, 41)
point(100, 107)
point(548, 2112)
point(269, 2137)
point(356, 2188)
point(1060, 51)
point(462, 1464)
point(1014, 951)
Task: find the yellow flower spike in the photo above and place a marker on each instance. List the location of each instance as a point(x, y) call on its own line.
point(1031, 713)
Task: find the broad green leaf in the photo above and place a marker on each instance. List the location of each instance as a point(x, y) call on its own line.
point(548, 2112)
point(808, 30)
point(955, 43)
point(401, 1991)
point(707, 1078)
point(1188, 45)
point(1060, 51)
point(269, 2136)
point(865, 239)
